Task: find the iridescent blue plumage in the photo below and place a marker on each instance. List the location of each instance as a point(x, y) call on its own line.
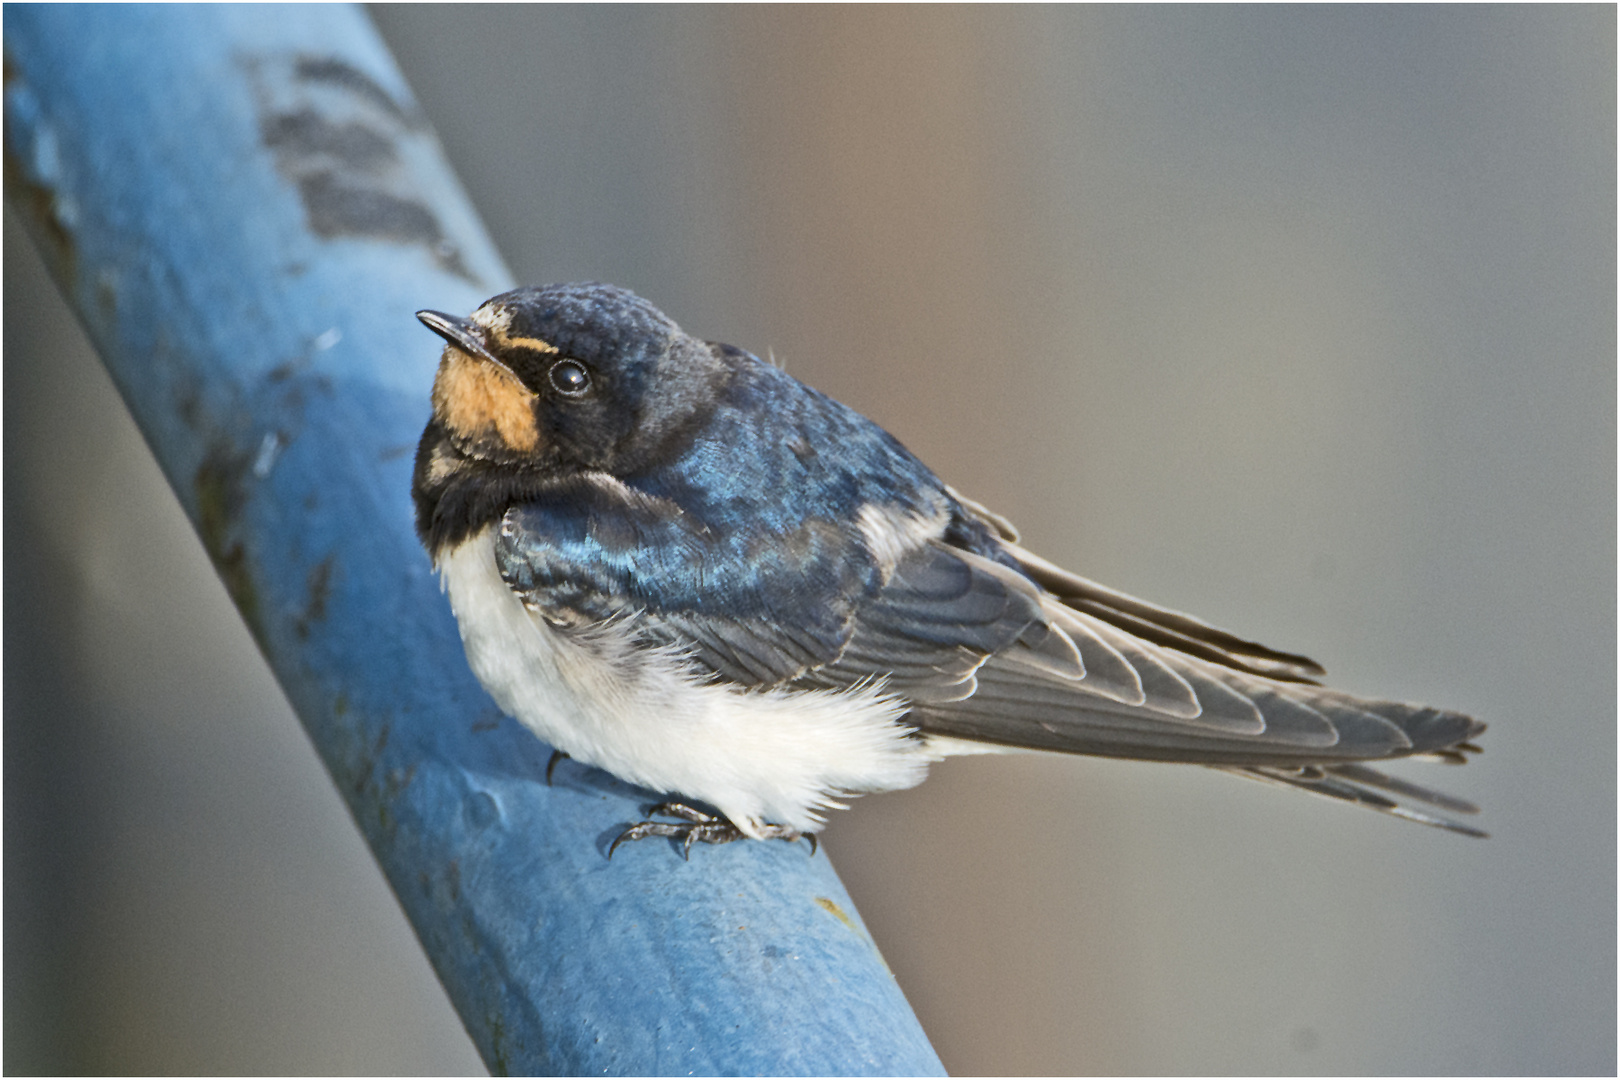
point(676, 513)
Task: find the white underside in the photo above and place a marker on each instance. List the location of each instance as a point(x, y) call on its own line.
point(771, 756)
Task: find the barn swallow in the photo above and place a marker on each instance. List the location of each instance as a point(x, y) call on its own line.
point(675, 562)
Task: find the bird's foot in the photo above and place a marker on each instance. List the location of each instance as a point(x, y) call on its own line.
point(696, 826)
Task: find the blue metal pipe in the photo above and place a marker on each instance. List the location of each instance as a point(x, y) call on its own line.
point(244, 205)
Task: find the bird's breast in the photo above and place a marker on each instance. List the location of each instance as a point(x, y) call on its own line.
point(641, 713)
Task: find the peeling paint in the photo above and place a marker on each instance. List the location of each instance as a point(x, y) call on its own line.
point(366, 766)
point(306, 133)
point(374, 789)
point(337, 137)
point(339, 206)
point(317, 589)
point(33, 175)
point(269, 449)
point(495, 1057)
point(219, 487)
point(330, 69)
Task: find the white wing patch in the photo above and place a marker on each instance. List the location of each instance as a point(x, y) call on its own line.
point(642, 714)
point(890, 533)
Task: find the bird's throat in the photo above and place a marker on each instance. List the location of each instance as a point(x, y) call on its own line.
point(483, 407)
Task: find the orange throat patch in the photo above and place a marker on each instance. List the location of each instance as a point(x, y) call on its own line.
point(476, 400)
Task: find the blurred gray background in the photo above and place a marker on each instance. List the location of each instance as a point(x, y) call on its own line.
point(1302, 320)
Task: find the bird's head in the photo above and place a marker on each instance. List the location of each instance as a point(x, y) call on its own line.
point(584, 376)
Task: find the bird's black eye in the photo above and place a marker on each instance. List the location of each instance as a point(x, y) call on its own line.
point(569, 378)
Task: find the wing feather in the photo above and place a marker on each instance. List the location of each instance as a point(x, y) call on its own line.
point(984, 640)
point(1014, 708)
point(1107, 671)
point(1163, 626)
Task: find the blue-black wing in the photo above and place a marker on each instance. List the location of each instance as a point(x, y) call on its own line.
point(984, 640)
point(753, 610)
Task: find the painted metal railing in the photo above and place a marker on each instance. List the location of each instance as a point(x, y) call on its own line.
point(245, 206)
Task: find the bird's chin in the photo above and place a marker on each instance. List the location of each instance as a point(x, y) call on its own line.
point(486, 444)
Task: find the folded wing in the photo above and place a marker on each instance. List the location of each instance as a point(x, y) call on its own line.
point(993, 645)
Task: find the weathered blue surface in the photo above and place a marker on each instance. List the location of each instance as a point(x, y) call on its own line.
point(245, 207)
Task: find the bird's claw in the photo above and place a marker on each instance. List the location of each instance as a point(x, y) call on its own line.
point(551, 766)
point(698, 826)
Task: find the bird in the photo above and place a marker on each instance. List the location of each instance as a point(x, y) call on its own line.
point(675, 562)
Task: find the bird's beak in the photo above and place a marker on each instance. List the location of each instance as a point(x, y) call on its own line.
point(464, 334)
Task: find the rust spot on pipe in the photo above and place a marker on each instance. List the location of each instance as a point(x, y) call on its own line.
point(831, 906)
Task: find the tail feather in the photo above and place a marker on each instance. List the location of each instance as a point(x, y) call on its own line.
point(1363, 786)
point(1361, 774)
